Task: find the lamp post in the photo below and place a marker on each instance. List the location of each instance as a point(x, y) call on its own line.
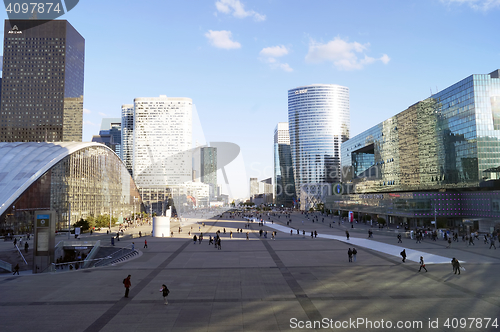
point(69, 219)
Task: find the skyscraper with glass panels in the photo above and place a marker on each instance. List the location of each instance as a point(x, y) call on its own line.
point(284, 184)
point(438, 159)
point(127, 139)
point(42, 84)
point(319, 121)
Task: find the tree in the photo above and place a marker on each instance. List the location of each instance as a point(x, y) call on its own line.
point(83, 224)
point(381, 221)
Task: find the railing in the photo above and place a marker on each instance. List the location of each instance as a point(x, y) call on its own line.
point(6, 266)
point(91, 254)
point(20, 253)
point(115, 256)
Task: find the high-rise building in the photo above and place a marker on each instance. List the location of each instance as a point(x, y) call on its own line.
point(284, 184)
point(319, 121)
point(42, 83)
point(162, 138)
point(110, 134)
point(127, 139)
point(208, 168)
point(162, 158)
point(436, 162)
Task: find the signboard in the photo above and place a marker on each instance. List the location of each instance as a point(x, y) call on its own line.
point(42, 243)
point(77, 230)
point(43, 220)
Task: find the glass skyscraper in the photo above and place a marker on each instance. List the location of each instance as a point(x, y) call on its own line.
point(208, 168)
point(127, 140)
point(449, 140)
point(42, 84)
point(319, 121)
point(284, 184)
point(437, 160)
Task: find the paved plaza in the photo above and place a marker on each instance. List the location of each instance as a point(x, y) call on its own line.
point(261, 284)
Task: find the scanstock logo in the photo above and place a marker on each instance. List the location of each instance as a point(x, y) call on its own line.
point(38, 10)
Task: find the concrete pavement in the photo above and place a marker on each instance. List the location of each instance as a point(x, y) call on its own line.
point(257, 285)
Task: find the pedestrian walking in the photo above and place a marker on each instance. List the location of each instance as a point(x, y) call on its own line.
point(422, 264)
point(195, 238)
point(399, 238)
point(403, 254)
point(247, 235)
point(15, 241)
point(26, 246)
point(16, 269)
point(347, 234)
point(219, 244)
point(349, 254)
point(133, 246)
point(449, 243)
point(145, 243)
point(165, 291)
point(354, 252)
point(456, 265)
point(127, 283)
point(492, 242)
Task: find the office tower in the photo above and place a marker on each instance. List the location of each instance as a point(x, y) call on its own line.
point(162, 138)
point(318, 117)
point(42, 84)
point(110, 134)
point(208, 168)
point(435, 164)
point(284, 184)
point(127, 138)
point(254, 187)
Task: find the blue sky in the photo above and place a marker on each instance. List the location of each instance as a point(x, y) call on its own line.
point(237, 58)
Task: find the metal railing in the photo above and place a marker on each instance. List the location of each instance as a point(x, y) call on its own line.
point(20, 253)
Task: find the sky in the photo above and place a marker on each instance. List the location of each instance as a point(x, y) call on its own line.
point(236, 59)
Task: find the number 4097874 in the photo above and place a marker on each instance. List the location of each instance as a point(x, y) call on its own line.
point(33, 7)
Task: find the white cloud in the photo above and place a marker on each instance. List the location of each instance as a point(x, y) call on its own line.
point(86, 111)
point(274, 51)
point(237, 9)
point(483, 5)
point(102, 114)
point(343, 54)
point(286, 67)
point(385, 59)
point(90, 123)
point(222, 39)
point(269, 55)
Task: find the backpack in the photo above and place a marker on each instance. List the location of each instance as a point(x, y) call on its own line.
point(124, 280)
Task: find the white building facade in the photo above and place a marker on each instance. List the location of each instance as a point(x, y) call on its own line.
point(162, 140)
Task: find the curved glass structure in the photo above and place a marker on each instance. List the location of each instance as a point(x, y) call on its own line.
point(451, 140)
point(319, 121)
point(88, 179)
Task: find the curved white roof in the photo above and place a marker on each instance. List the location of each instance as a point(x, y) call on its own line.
point(21, 164)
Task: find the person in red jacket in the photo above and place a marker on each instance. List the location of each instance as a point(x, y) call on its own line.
point(127, 284)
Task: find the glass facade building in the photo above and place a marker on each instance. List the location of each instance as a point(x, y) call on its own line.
point(284, 184)
point(127, 139)
point(319, 121)
point(448, 141)
point(438, 158)
point(42, 84)
point(208, 168)
point(88, 179)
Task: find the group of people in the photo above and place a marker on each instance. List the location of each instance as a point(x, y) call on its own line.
point(127, 283)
